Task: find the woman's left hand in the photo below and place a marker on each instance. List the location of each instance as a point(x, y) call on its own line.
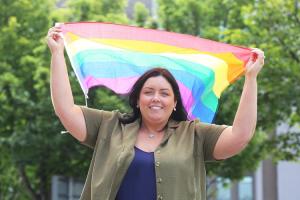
point(255, 63)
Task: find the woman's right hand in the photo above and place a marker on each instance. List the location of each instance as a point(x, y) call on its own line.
point(54, 40)
point(69, 114)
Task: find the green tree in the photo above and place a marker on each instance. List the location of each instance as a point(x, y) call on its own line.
point(142, 17)
point(275, 26)
point(263, 26)
point(20, 36)
point(93, 10)
point(32, 148)
point(141, 14)
point(182, 16)
point(254, 24)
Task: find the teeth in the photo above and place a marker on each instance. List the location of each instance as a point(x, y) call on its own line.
point(155, 107)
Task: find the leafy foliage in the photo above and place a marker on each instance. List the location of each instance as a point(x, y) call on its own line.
point(31, 146)
point(255, 24)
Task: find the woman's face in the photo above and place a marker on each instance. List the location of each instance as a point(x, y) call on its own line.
point(156, 100)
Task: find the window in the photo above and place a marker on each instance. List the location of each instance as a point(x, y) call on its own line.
point(245, 188)
point(223, 189)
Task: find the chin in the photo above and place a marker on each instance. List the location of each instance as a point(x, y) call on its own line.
point(157, 118)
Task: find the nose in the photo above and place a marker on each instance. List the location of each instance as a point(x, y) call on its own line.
point(156, 98)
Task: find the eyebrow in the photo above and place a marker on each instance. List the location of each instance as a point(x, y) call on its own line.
point(153, 88)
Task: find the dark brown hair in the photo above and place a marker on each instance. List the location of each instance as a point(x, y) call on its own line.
point(179, 115)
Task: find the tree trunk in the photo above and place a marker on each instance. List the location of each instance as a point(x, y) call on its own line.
point(43, 182)
point(26, 182)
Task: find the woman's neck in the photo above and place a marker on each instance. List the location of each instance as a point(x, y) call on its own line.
point(153, 127)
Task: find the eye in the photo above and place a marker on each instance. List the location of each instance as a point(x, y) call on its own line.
point(148, 92)
point(165, 94)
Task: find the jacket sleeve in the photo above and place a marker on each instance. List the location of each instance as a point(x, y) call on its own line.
point(94, 118)
point(207, 136)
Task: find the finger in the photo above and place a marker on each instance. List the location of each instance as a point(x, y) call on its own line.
point(258, 56)
point(260, 60)
point(57, 24)
point(54, 29)
point(258, 52)
point(249, 63)
point(54, 36)
point(50, 34)
point(253, 57)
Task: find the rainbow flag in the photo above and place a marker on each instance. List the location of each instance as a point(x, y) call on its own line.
point(114, 56)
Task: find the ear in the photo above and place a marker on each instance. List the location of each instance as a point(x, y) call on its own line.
point(138, 103)
point(175, 104)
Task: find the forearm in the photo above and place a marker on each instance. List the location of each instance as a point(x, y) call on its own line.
point(61, 93)
point(234, 139)
point(245, 119)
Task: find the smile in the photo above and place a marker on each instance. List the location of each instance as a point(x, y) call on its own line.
point(156, 107)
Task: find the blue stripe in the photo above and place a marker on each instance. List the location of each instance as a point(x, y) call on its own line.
point(108, 64)
point(144, 60)
point(114, 58)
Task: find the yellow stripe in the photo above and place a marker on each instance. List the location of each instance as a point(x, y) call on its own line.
point(218, 62)
point(85, 44)
point(219, 67)
point(153, 47)
point(235, 66)
point(70, 37)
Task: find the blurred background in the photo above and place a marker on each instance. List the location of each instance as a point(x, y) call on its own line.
point(38, 162)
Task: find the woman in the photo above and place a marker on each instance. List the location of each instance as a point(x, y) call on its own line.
point(155, 153)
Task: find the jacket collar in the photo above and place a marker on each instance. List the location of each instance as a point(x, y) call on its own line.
point(131, 130)
point(172, 123)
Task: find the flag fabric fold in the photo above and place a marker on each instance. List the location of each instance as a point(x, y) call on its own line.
point(114, 56)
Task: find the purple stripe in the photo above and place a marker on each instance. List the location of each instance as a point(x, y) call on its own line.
point(123, 86)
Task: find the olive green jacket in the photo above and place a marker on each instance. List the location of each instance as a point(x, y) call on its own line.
point(179, 159)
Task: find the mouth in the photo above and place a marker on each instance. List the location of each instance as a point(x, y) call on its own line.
point(155, 107)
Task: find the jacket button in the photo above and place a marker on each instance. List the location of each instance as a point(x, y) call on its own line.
point(157, 164)
point(159, 180)
point(158, 151)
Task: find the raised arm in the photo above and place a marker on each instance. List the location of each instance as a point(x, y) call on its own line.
point(236, 137)
point(69, 114)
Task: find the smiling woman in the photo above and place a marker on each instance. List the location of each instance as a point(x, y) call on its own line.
point(154, 99)
point(156, 88)
point(156, 103)
point(155, 152)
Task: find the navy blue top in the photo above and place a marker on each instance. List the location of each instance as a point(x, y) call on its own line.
point(139, 181)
